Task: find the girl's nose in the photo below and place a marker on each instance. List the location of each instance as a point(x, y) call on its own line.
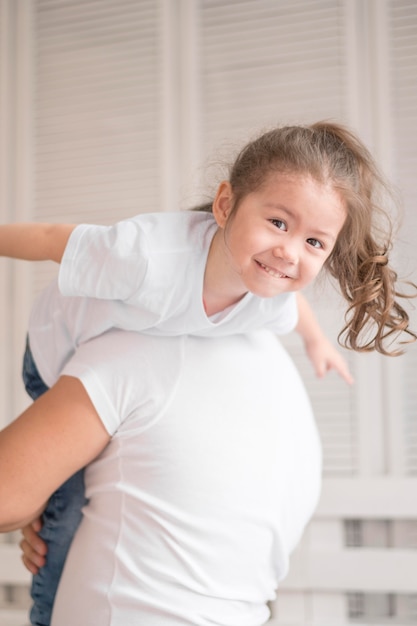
point(287, 251)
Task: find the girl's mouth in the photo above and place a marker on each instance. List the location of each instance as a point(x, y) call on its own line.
point(271, 272)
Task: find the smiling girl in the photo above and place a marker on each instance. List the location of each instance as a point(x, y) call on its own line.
point(298, 199)
point(276, 242)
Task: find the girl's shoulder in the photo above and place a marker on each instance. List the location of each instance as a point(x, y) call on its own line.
point(174, 226)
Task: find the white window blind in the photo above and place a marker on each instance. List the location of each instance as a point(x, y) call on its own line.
point(96, 110)
point(403, 72)
point(269, 62)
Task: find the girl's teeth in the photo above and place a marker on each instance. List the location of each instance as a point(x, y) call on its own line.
point(271, 272)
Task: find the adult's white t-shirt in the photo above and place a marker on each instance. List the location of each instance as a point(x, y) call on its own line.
point(211, 475)
point(144, 274)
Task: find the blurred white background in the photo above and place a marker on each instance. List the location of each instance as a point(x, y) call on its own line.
point(110, 108)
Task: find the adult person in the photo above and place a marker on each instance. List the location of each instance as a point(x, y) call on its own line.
point(203, 469)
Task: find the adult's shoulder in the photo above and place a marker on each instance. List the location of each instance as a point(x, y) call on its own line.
point(127, 373)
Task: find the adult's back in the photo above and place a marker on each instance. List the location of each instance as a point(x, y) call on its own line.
point(212, 472)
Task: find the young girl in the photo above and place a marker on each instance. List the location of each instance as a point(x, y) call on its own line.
point(298, 199)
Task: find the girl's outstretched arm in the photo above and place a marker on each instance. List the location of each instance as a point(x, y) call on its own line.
point(57, 435)
point(33, 241)
point(320, 350)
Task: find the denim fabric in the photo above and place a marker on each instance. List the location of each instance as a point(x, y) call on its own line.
point(60, 519)
point(34, 384)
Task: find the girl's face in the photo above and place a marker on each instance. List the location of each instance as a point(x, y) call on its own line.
point(279, 237)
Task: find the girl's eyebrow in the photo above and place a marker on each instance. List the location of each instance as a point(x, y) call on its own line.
point(279, 207)
point(276, 205)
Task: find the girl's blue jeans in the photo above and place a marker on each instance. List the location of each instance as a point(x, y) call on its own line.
point(60, 519)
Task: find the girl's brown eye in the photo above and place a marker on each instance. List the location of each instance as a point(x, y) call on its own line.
point(279, 224)
point(315, 243)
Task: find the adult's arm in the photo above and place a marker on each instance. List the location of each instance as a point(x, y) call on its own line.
point(57, 435)
point(34, 241)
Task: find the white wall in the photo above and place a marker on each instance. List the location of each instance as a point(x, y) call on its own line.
point(112, 108)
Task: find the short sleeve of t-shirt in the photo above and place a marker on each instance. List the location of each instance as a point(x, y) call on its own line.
point(107, 262)
point(126, 378)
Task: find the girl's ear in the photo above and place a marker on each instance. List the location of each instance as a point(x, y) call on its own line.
point(223, 203)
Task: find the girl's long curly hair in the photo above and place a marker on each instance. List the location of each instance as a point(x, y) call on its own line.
point(333, 155)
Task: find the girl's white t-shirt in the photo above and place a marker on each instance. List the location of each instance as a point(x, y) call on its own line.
point(211, 475)
point(143, 274)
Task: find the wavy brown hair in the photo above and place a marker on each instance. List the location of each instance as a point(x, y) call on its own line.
point(334, 156)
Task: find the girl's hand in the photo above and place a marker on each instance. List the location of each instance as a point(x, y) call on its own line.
point(320, 350)
point(325, 357)
point(33, 547)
